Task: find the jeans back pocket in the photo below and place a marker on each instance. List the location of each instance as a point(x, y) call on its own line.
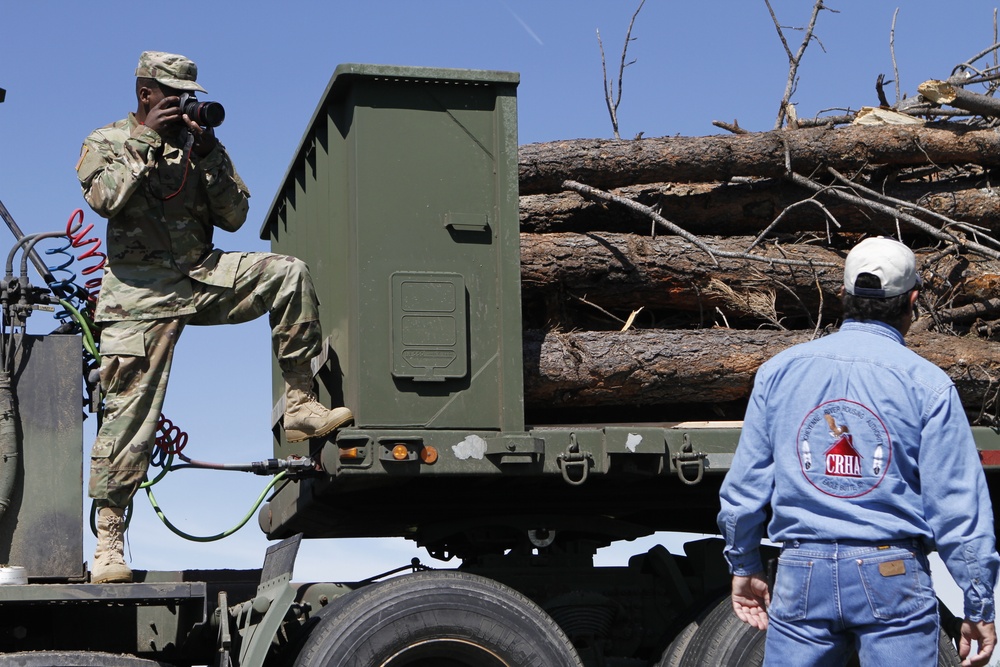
point(790, 598)
point(893, 585)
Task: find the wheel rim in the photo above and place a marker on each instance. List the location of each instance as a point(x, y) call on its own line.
point(445, 652)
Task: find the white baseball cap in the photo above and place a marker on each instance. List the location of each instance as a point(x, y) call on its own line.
point(889, 260)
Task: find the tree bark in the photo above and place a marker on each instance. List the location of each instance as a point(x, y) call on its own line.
point(610, 258)
point(942, 92)
point(629, 271)
point(632, 271)
point(745, 209)
point(663, 367)
point(608, 164)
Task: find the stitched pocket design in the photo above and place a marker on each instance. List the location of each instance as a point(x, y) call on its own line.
point(892, 584)
point(790, 599)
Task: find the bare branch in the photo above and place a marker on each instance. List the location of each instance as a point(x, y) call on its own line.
point(819, 310)
point(959, 74)
point(733, 127)
point(829, 216)
point(781, 34)
point(985, 308)
point(875, 202)
point(904, 205)
point(892, 52)
point(608, 91)
point(942, 92)
point(588, 191)
point(584, 301)
point(623, 64)
point(880, 90)
point(793, 60)
point(819, 121)
point(610, 97)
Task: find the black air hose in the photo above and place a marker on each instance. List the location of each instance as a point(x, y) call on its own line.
point(9, 449)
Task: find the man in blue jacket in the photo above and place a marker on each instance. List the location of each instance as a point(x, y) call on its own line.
point(864, 454)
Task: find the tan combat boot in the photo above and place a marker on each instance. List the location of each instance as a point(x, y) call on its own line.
point(109, 559)
point(306, 417)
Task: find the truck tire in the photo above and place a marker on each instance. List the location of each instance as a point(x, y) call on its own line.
point(287, 656)
point(438, 619)
point(674, 652)
point(74, 659)
point(723, 640)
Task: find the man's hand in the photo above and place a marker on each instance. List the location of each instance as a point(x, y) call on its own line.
point(204, 137)
point(165, 114)
point(983, 633)
point(750, 600)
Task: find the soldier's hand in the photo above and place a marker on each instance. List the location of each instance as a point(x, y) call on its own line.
point(164, 114)
point(985, 634)
point(204, 137)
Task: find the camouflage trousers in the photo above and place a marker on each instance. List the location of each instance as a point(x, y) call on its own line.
point(136, 356)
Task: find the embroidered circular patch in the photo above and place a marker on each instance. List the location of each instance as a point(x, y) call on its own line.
point(844, 448)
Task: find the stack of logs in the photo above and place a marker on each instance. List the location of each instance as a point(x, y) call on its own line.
point(658, 274)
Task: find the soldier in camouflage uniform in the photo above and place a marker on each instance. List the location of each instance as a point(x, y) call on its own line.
point(164, 183)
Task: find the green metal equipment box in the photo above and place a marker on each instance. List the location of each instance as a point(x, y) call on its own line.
point(41, 530)
point(402, 199)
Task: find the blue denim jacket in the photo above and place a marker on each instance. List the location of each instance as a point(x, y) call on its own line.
point(855, 436)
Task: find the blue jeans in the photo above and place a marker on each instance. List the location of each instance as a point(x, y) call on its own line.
point(831, 598)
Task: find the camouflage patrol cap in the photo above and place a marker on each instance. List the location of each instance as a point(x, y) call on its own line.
point(169, 69)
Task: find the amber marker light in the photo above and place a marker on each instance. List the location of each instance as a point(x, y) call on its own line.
point(400, 452)
point(349, 453)
point(428, 455)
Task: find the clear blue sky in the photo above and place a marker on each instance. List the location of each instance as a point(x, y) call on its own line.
point(68, 68)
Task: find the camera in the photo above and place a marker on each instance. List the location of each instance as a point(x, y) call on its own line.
point(206, 114)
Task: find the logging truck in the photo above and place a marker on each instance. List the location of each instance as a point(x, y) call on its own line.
point(402, 197)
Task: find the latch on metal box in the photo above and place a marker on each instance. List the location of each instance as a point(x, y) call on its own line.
point(515, 449)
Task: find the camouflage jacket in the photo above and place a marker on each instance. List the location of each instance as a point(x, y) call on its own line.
point(162, 210)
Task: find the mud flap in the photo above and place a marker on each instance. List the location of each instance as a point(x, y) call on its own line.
point(258, 620)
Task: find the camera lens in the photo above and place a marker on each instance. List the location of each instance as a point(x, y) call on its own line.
point(206, 114)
